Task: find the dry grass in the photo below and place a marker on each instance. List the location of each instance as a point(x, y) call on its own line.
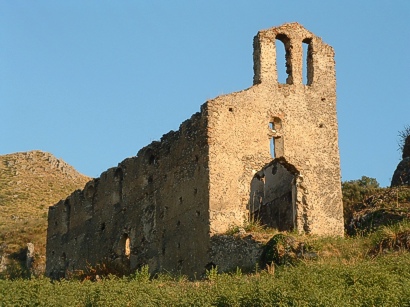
point(30, 182)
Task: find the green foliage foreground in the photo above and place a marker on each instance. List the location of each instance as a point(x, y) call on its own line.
point(383, 281)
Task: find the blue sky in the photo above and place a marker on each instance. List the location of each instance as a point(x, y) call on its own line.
point(94, 81)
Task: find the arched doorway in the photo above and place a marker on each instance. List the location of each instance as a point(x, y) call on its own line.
point(272, 200)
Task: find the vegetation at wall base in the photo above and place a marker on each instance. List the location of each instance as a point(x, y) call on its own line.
point(382, 281)
point(363, 270)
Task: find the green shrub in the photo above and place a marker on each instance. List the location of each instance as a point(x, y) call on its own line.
point(382, 281)
point(142, 275)
point(393, 237)
point(356, 191)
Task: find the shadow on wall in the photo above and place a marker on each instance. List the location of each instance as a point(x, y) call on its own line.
point(272, 200)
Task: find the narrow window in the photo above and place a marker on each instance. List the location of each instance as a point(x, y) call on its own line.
point(127, 250)
point(272, 141)
point(283, 59)
point(276, 138)
point(307, 69)
point(124, 246)
point(304, 64)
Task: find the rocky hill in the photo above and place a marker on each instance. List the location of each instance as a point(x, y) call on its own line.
point(30, 182)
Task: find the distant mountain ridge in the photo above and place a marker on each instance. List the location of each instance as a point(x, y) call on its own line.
point(30, 182)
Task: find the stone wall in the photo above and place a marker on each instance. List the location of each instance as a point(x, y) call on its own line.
point(229, 252)
point(301, 118)
point(163, 206)
point(154, 204)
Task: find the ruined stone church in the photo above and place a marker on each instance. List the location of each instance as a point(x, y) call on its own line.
point(269, 152)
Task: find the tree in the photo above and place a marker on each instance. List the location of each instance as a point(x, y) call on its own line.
point(358, 190)
point(355, 192)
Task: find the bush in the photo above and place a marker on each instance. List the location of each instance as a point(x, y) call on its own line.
point(393, 237)
point(355, 193)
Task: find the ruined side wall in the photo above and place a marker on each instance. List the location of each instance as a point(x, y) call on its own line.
point(157, 201)
point(240, 135)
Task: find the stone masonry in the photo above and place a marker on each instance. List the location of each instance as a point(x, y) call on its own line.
point(269, 152)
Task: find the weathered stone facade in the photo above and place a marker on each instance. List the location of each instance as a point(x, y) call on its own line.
point(163, 206)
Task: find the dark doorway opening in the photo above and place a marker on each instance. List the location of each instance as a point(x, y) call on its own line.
point(272, 199)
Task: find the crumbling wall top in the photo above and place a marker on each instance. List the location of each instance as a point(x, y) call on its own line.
point(292, 35)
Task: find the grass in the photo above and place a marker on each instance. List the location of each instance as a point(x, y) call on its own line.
point(30, 183)
point(383, 281)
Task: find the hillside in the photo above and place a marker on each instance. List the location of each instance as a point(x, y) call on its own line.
point(30, 182)
point(369, 267)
